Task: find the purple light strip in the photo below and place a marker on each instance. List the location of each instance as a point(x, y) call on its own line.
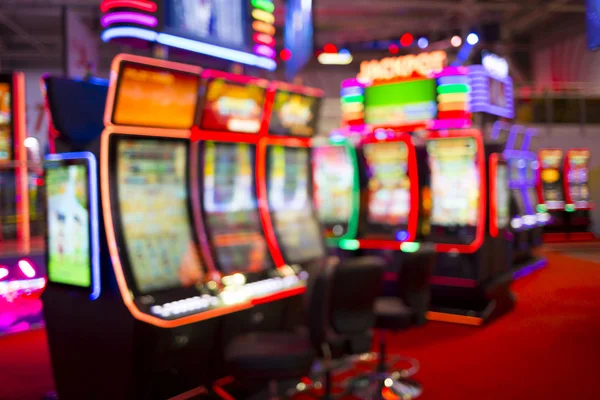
point(512, 136)
point(539, 264)
point(529, 133)
point(459, 123)
point(264, 50)
point(129, 17)
point(480, 102)
point(449, 71)
point(497, 127)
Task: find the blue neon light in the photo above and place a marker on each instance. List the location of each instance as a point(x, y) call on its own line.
point(190, 45)
point(95, 227)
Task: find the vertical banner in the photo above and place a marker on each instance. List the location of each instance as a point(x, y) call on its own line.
point(80, 46)
point(298, 35)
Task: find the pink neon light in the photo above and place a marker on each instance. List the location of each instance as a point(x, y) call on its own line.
point(351, 82)
point(263, 38)
point(3, 273)
point(138, 4)
point(265, 50)
point(449, 71)
point(129, 17)
point(449, 124)
point(27, 268)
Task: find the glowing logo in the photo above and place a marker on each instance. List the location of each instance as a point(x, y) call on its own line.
point(423, 64)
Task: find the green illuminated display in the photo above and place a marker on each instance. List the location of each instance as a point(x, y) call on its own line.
point(453, 88)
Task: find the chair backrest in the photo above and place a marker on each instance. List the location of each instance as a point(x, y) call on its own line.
point(355, 284)
point(413, 283)
point(339, 300)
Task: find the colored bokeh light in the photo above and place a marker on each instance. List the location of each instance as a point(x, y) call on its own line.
point(406, 39)
point(393, 48)
point(285, 54)
point(330, 48)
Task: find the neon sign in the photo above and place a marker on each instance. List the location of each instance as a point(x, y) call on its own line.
point(423, 64)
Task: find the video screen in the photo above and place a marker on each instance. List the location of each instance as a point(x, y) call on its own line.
point(455, 181)
point(223, 22)
point(294, 114)
point(154, 215)
point(551, 177)
point(232, 106)
point(502, 198)
point(401, 103)
point(5, 122)
point(497, 92)
point(155, 97)
point(68, 219)
point(231, 208)
point(334, 186)
point(579, 175)
point(288, 192)
point(388, 183)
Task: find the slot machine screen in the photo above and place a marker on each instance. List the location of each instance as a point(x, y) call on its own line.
point(290, 201)
point(231, 106)
point(156, 97)
point(455, 186)
point(153, 214)
point(5, 122)
point(578, 175)
point(334, 185)
point(294, 114)
point(68, 218)
point(551, 176)
point(388, 185)
point(502, 197)
point(231, 209)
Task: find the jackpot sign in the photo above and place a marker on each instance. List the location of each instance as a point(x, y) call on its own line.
point(390, 68)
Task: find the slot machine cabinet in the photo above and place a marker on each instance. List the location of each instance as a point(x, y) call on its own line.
point(148, 321)
point(551, 193)
point(577, 193)
point(225, 203)
point(285, 177)
point(469, 221)
point(526, 219)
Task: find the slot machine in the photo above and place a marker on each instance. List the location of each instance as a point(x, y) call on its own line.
point(577, 193)
point(285, 177)
point(551, 193)
point(526, 221)
point(139, 306)
point(469, 219)
point(227, 215)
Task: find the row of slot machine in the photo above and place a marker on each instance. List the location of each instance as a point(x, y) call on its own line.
point(180, 214)
point(564, 192)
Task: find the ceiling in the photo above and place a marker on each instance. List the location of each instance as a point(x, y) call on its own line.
point(31, 30)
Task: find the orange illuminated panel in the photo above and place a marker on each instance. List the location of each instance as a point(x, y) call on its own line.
point(155, 96)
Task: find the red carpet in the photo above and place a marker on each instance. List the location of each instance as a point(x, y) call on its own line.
point(548, 347)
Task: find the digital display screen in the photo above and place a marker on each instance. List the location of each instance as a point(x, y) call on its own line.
point(232, 106)
point(401, 103)
point(155, 97)
point(154, 215)
point(551, 176)
point(497, 93)
point(5, 122)
point(220, 22)
point(334, 186)
point(455, 182)
point(231, 208)
point(68, 218)
point(579, 175)
point(502, 197)
point(388, 183)
point(294, 114)
point(288, 192)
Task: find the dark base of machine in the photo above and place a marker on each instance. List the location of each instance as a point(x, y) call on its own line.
point(476, 306)
point(558, 237)
point(525, 267)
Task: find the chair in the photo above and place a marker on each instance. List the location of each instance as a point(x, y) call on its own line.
point(338, 323)
point(403, 308)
